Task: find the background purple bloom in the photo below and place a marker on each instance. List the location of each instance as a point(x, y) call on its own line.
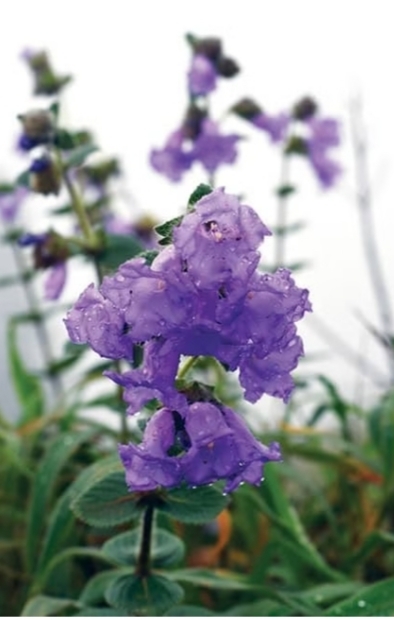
point(202, 76)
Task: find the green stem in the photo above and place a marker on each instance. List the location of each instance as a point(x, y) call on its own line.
point(143, 563)
point(42, 335)
point(79, 210)
point(187, 366)
point(279, 258)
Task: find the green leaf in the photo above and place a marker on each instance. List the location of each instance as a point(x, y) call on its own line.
point(47, 606)
point(146, 595)
point(26, 276)
point(200, 191)
point(64, 140)
point(65, 556)
point(189, 610)
point(282, 231)
point(118, 249)
point(99, 612)
point(292, 535)
point(23, 179)
point(165, 230)
point(27, 386)
point(373, 542)
point(328, 593)
point(285, 190)
point(375, 600)
point(62, 517)
point(215, 579)
point(166, 549)
point(381, 424)
point(263, 608)
point(56, 456)
point(194, 505)
point(107, 503)
point(149, 256)
point(77, 157)
point(94, 591)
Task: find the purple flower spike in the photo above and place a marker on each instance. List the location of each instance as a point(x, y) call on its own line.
point(202, 76)
point(212, 149)
point(275, 126)
point(173, 160)
point(55, 282)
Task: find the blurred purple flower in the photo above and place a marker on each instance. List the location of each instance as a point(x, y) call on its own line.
point(202, 76)
point(174, 159)
point(212, 149)
point(274, 125)
point(324, 136)
point(10, 203)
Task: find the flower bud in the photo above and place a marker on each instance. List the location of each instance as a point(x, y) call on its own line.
point(227, 67)
point(210, 47)
point(246, 109)
point(45, 177)
point(305, 109)
point(191, 126)
point(38, 124)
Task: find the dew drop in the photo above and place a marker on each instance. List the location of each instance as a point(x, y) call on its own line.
point(361, 603)
point(224, 494)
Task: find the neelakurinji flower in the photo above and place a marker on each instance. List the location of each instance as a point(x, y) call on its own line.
point(202, 295)
point(202, 76)
point(208, 146)
point(274, 125)
point(201, 444)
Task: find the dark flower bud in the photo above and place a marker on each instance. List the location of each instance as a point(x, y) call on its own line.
point(191, 126)
point(305, 109)
point(38, 124)
point(46, 82)
point(49, 249)
point(246, 109)
point(45, 176)
point(210, 47)
point(227, 67)
point(296, 145)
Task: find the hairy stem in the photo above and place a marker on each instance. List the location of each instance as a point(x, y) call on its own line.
point(143, 563)
point(42, 334)
point(281, 216)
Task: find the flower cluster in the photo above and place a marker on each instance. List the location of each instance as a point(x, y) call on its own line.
point(202, 295)
point(208, 146)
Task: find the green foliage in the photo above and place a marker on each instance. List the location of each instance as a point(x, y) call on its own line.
point(118, 249)
point(200, 191)
point(166, 549)
point(107, 502)
point(143, 595)
point(165, 230)
point(193, 505)
point(374, 600)
point(27, 386)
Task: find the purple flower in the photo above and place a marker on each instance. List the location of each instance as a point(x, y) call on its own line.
point(199, 445)
point(201, 296)
point(218, 240)
point(212, 149)
point(174, 159)
point(55, 281)
point(324, 136)
point(275, 126)
point(202, 76)
point(10, 202)
point(94, 319)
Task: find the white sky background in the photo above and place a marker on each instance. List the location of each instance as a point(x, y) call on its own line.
point(130, 61)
